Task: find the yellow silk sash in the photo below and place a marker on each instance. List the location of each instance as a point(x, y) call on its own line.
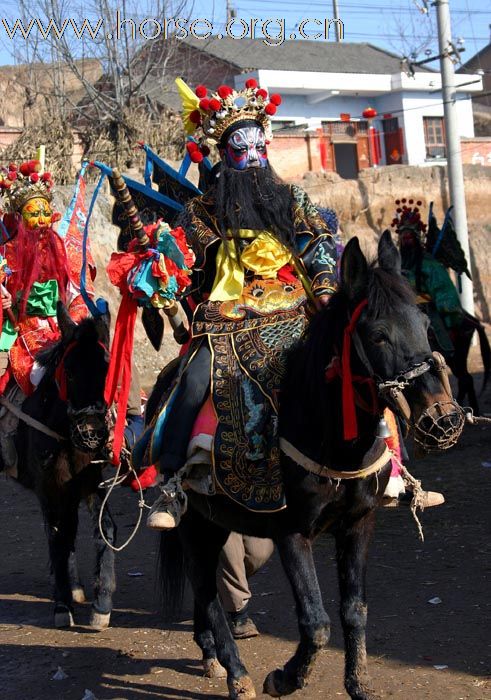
point(265, 255)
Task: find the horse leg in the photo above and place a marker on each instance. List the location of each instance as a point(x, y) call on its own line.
point(352, 553)
point(203, 636)
point(78, 593)
point(313, 621)
point(202, 542)
point(62, 531)
point(105, 579)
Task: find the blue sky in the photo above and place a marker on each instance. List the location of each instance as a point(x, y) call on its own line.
point(395, 25)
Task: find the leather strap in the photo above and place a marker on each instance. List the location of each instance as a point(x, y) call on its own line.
point(311, 466)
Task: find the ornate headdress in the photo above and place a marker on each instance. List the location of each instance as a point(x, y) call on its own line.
point(408, 217)
point(20, 184)
point(210, 115)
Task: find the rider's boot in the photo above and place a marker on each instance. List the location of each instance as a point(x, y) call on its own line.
point(428, 499)
point(170, 506)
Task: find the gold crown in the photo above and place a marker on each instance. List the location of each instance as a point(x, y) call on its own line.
point(216, 113)
point(20, 184)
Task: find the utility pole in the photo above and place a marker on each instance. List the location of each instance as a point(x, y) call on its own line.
point(335, 11)
point(452, 139)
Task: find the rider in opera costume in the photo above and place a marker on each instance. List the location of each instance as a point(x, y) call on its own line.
point(427, 275)
point(43, 270)
point(264, 256)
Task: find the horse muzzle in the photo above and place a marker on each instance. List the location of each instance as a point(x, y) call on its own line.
point(439, 425)
point(89, 428)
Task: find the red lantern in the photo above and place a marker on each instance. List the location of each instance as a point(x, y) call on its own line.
point(369, 113)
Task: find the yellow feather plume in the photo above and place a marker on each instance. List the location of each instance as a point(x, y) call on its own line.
point(190, 102)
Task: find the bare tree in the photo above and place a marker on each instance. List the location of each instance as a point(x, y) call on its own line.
point(103, 67)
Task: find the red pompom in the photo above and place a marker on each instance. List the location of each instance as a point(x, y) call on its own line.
point(262, 93)
point(46, 177)
point(419, 203)
point(398, 201)
point(392, 224)
point(215, 104)
point(12, 175)
point(196, 156)
point(224, 91)
point(411, 201)
point(201, 91)
point(25, 169)
point(204, 104)
point(403, 200)
point(12, 166)
point(270, 109)
point(34, 166)
point(195, 117)
point(205, 151)
point(191, 146)
point(6, 184)
point(399, 210)
point(251, 83)
point(34, 177)
point(275, 99)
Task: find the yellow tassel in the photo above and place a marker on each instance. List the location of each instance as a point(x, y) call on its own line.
point(190, 102)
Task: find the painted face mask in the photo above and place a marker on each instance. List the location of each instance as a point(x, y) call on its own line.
point(246, 148)
point(37, 214)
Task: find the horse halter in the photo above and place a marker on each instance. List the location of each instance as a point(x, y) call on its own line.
point(87, 431)
point(440, 425)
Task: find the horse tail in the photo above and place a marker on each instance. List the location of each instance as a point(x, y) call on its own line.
point(171, 574)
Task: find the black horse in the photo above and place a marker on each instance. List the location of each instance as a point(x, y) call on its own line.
point(392, 360)
point(69, 401)
point(457, 361)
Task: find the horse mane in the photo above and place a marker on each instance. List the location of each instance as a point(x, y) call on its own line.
point(50, 355)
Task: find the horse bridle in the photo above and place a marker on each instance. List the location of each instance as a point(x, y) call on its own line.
point(429, 431)
point(85, 436)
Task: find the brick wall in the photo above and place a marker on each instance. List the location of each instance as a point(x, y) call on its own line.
point(476, 151)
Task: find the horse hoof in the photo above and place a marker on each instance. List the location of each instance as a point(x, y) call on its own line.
point(78, 595)
point(213, 669)
point(241, 689)
point(63, 617)
point(269, 686)
point(99, 621)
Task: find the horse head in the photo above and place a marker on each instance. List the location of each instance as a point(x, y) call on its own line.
point(80, 374)
point(390, 340)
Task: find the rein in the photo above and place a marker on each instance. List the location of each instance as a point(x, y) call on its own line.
point(29, 420)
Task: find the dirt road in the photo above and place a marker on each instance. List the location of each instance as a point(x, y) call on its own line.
point(416, 649)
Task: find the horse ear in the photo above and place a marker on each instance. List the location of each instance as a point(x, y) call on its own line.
point(354, 269)
point(103, 324)
point(389, 257)
point(65, 323)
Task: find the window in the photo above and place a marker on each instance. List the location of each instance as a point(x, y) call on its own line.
point(434, 137)
point(341, 128)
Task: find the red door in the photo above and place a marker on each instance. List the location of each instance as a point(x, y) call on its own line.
point(393, 141)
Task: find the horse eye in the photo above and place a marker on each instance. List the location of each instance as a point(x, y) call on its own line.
point(379, 339)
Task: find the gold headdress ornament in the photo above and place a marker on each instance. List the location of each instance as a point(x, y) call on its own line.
point(213, 115)
point(20, 184)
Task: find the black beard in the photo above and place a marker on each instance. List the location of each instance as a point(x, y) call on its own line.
point(256, 199)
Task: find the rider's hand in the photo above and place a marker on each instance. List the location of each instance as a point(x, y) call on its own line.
point(322, 301)
point(6, 299)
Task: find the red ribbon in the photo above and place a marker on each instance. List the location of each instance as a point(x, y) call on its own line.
point(349, 411)
point(119, 371)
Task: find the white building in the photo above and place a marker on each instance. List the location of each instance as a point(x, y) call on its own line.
point(328, 86)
